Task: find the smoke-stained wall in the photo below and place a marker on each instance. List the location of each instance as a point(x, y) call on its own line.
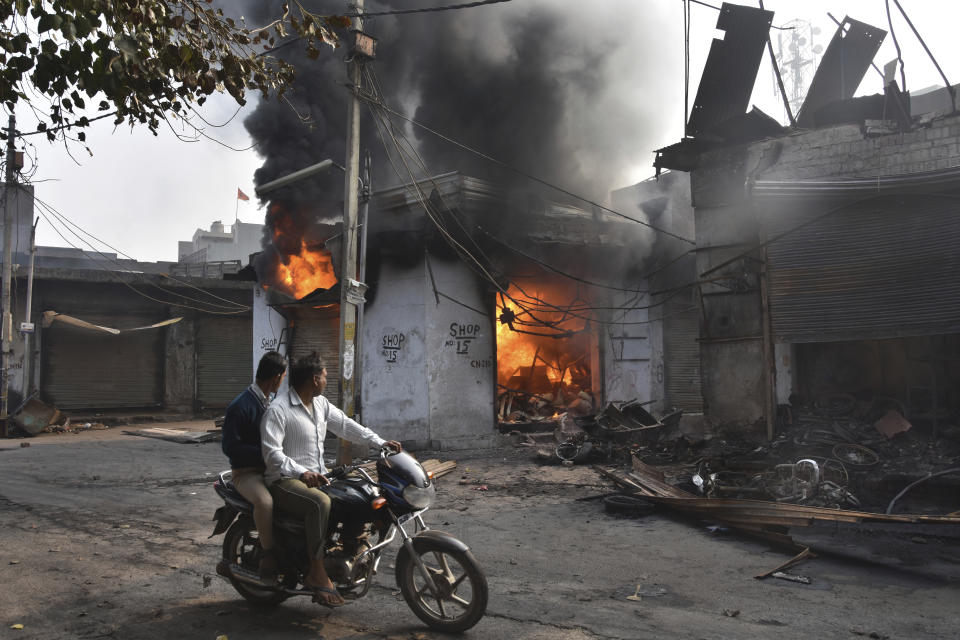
point(428, 368)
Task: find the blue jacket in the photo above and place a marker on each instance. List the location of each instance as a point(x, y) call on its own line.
point(241, 431)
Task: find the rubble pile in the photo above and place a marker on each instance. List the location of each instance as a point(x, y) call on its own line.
point(840, 453)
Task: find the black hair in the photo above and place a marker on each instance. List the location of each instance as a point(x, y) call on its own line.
point(305, 368)
point(271, 364)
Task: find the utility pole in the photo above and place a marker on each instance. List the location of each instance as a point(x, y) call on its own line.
point(348, 272)
point(27, 328)
point(5, 316)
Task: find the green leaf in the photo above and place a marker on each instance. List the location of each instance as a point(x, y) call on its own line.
point(48, 21)
point(22, 7)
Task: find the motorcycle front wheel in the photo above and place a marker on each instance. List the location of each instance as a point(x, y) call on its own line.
point(462, 587)
point(241, 546)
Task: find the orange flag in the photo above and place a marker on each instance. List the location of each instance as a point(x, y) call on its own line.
point(241, 195)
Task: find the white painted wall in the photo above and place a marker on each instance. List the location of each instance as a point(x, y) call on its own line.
point(270, 331)
point(629, 351)
point(394, 385)
point(461, 360)
point(419, 382)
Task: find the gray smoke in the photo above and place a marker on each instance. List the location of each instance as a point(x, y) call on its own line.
point(559, 89)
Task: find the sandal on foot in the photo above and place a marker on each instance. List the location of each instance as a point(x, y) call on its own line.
point(327, 596)
point(268, 565)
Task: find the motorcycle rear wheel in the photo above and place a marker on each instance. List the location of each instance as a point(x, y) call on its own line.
point(462, 585)
point(242, 546)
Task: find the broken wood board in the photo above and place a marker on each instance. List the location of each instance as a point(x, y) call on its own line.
point(757, 517)
point(175, 435)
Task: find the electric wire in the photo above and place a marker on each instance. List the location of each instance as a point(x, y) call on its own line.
point(398, 12)
point(384, 124)
point(896, 44)
point(216, 309)
point(66, 221)
point(117, 277)
point(950, 89)
point(520, 172)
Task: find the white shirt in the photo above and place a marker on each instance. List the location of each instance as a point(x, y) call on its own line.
point(292, 438)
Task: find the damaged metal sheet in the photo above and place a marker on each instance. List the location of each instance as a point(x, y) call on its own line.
point(771, 520)
point(34, 416)
point(49, 317)
point(842, 67)
point(731, 68)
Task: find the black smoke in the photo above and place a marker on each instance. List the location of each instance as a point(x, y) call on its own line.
point(562, 90)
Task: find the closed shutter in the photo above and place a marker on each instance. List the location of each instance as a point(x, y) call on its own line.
point(319, 330)
point(224, 353)
point(83, 369)
point(681, 355)
point(883, 268)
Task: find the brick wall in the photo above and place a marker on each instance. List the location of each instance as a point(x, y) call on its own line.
point(848, 151)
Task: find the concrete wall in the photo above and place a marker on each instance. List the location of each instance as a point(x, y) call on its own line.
point(726, 222)
point(429, 371)
point(461, 362)
point(395, 388)
point(271, 332)
point(180, 366)
point(731, 348)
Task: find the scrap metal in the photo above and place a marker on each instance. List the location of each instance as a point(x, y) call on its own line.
point(844, 63)
point(770, 520)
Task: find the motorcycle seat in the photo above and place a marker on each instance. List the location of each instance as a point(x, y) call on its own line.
point(226, 490)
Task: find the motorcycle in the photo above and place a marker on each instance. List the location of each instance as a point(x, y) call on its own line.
point(437, 574)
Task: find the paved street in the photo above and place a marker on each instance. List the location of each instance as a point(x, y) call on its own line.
point(104, 535)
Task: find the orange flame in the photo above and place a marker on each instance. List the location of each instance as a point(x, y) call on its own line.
point(518, 352)
point(306, 272)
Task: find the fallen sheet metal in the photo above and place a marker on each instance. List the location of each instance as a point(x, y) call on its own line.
point(771, 520)
point(731, 69)
point(49, 317)
point(34, 416)
point(846, 60)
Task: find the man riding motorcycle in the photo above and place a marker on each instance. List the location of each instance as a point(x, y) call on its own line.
point(292, 433)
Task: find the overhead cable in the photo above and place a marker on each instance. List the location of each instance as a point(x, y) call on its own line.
point(215, 309)
point(520, 172)
point(397, 12)
point(64, 219)
point(950, 89)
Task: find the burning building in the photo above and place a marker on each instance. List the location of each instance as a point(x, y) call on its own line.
point(552, 322)
point(826, 252)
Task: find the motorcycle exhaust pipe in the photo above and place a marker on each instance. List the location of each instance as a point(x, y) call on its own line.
point(249, 577)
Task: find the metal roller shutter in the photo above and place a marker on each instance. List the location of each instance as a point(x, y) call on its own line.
point(681, 332)
point(319, 330)
point(224, 353)
point(83, 369)
point(885, 268)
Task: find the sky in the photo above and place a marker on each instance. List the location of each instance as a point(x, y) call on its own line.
point(141, 193)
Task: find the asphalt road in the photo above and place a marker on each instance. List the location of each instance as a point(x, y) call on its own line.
point(104, 535)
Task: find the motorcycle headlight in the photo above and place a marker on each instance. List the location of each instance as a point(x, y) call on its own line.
point(419, 497)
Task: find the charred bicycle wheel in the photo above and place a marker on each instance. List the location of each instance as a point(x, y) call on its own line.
point(241, 546)
point(461, 597)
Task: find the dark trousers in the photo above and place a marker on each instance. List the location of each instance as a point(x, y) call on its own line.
point(292, 496)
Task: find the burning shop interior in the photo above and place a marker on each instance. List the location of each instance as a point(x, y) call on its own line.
point(447, 353)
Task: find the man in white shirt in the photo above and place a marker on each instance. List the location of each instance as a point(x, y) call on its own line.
point(292, 434)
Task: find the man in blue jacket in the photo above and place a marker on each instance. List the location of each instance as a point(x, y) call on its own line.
point(241, 443)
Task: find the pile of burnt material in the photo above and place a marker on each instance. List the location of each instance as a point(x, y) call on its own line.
point(839, 453)
point(531, 399)
point(609, 435)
